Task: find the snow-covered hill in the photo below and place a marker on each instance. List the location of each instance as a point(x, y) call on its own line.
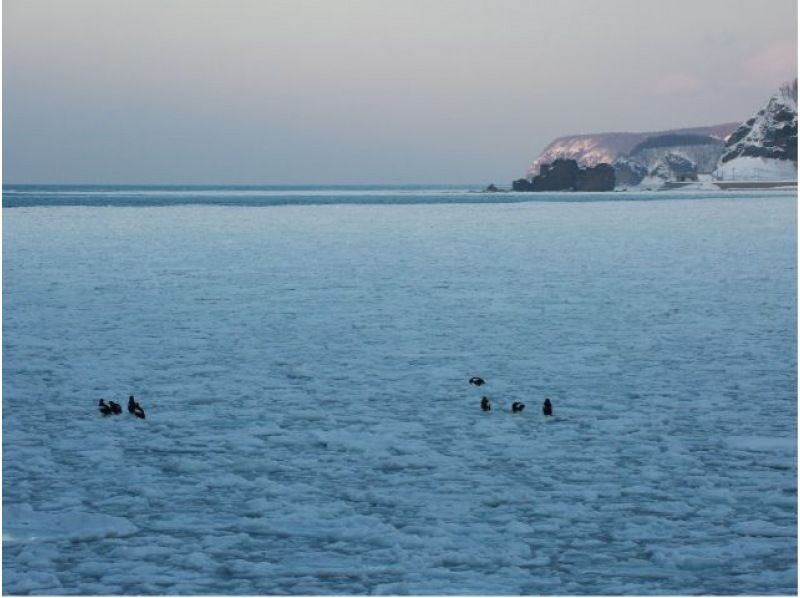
point(765, 146)
point(592, 149)
point(703, 150)
point(674, 166)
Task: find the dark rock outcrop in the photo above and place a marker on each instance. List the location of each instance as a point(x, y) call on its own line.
point(598, 178)
point(566, 175)
point(561, 175)
point(522, 185)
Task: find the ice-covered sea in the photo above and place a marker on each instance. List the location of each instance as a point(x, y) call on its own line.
point(303, 359)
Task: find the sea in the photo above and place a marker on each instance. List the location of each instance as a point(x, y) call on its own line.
point(303, 357)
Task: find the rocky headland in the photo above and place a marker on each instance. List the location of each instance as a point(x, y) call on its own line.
point(762, 149)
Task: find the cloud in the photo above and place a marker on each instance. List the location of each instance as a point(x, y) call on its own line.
point(674, 84)
point(775, 63)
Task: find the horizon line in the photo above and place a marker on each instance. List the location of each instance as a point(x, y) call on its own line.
point(164, 184)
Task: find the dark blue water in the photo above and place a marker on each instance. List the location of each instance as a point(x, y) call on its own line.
point(277, 195)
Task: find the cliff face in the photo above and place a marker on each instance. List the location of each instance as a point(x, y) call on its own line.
point(566, 175)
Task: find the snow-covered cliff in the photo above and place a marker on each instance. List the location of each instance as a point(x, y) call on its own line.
point(764, 147)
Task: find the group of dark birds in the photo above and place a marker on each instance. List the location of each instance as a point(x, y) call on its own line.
point(112, 408)
point(516, 406)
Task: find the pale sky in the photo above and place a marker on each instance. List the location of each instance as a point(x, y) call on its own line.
point(365, 91)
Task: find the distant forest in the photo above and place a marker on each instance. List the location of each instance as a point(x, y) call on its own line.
point(675, 139)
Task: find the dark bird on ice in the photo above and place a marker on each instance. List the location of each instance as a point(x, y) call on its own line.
point(116, 408)
point(477, 381)
point(547, 407)
point(103, 408)
point(486, 404)
point(517, 407)
point(135, 408)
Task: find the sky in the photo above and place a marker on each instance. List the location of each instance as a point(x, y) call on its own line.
point(365, 91)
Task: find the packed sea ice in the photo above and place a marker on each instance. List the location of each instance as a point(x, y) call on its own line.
point(310, 426)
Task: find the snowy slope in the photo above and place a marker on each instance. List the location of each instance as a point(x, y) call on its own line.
point(705, 156)
point(765, 146)
point(592, 149)
point(748, 168)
